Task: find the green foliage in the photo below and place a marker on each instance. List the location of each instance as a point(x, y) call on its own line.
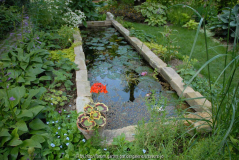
point(40, 40)
point(9, 17)
point(66, 34)
point(127, 2)
point(20, 126)
point(126, 11)
point(63, 75)
point(27, 67)
point(55, 97)
point(45, 14)
point(200, 84)
point(126, 24)
point(160, 50)
point(142, 35)
point(178, 15)
point(101, 17)
point(65, 53)
point(66, 141)
point(171, 49)
point(222, 22)
point(191, 25)
point(86, 6)
point(154, 12)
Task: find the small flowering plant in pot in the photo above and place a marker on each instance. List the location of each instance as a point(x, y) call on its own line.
point(92, 118)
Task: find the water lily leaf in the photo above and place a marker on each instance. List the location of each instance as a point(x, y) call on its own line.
point(100, 48)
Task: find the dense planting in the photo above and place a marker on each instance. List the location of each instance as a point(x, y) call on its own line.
point(37, 77)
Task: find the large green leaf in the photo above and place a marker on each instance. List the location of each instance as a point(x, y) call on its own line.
point(38, 138)
point(4, 140)
point(24, 65)
point(32, 92)
point(31, 143)
point(17, 93)
point(25, 113)
point(35, 110)
point(15, 141)
point(14, 153)
point(37, 124)
point(21, 125)
point(4, 133)
point(45, 78)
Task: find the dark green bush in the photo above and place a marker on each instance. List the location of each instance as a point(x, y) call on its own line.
point(127, 11)
point(86, 6)
point(8, 16)
point(228, 18)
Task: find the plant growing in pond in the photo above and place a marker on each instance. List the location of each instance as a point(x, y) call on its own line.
point(92, 116)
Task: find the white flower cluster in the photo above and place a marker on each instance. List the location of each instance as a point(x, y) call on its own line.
point(71, 18)
point(74, 18)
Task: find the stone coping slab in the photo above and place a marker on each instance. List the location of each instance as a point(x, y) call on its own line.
point(200, 104)
point(91, 24)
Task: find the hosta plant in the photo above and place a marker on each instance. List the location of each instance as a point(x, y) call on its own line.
point(92, 116)
point(228, 18)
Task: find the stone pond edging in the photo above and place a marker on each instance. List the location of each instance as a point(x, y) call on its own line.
point(193, 98)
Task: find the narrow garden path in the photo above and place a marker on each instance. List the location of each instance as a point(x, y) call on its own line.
point(14, 36)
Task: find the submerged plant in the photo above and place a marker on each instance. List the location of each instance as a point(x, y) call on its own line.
point(92, 116)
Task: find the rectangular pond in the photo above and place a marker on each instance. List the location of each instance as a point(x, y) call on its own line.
point(131, 83)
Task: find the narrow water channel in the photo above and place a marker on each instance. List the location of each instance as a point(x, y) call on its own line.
point(128, 78)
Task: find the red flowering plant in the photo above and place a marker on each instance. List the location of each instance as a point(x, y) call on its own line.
point(92, 116)
point(98, 88)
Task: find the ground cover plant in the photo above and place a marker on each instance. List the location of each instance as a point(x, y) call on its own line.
point(37, 83)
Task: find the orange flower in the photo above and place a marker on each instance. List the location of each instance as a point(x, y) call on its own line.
point(98, 87)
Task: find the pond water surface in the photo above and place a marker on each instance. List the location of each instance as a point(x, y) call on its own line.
point(128, 78)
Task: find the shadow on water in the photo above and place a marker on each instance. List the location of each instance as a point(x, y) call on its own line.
point(129, 79)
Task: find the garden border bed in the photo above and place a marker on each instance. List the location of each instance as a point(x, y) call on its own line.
point(201, 105)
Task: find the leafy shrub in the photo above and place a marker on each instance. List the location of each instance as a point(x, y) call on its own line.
point(27, 67)
point(126, 24)
point(66, 34)
point(154, 12)
point(49, 15)
point(178, 15)
point(62, 74)
point(191, 25)
point(39, 40)
point(65, 53)
point(126, 11)
point(22, 130)
point(162, 51)
point(8, 18)
point(142, 35)
point(85, 6)
point(55, 97)
point(221, 23)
